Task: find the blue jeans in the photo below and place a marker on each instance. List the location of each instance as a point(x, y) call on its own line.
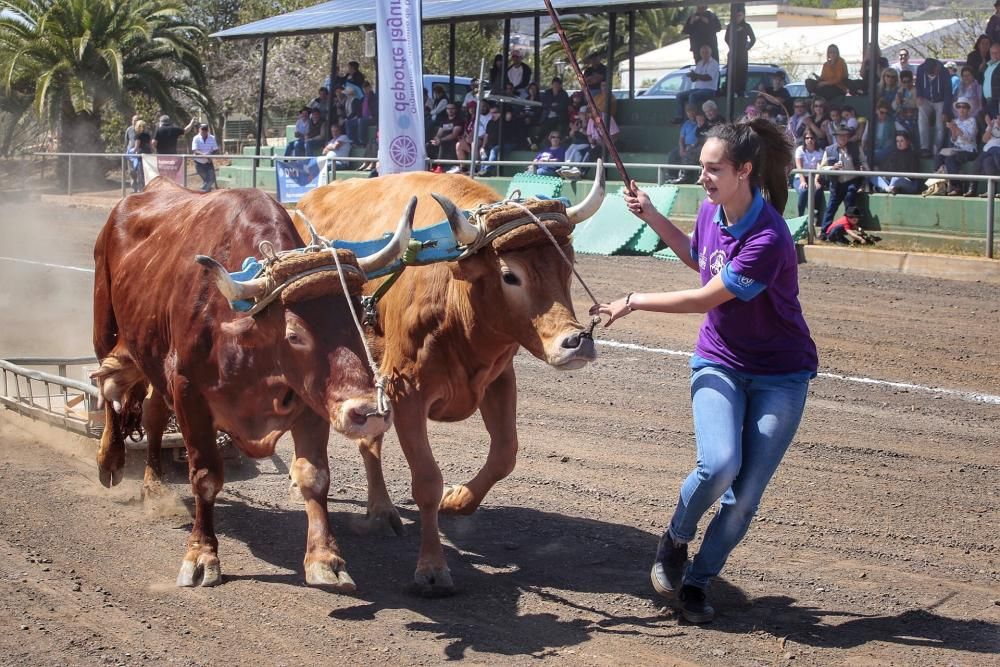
point(296, 147)
point(819, 201)
point(840, 192)
point(743, 425)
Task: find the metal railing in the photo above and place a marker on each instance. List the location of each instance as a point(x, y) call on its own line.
point(661, 170)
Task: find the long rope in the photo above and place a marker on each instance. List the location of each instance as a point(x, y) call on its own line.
point(381, 400)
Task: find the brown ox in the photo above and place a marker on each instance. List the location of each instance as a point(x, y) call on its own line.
point(160, 322)
point(448, 334)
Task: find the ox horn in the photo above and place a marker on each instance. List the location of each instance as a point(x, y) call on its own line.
point(233, 290)
point(396, 246)
point(465, 232)
point(588, 207)
point(316, 238)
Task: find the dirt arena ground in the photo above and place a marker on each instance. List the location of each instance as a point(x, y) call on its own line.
point(876, 544)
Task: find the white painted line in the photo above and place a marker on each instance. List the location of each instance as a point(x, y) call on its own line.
point(964, 395)
point(51, 266)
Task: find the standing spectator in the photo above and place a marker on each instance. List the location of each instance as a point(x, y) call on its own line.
point(439, 102)
point(903, 159)
point(297, 146)
point(339, 145)
point(808, 156)
point(954, 77)
point(496, 75)
point(832, 80)
point(905, 106)
point(796, 126)
point(993, 25)
point(202, 146)
point(315, 134)
point(933, 97)
point(595, 73)
point(888, 86)
point(860, 86)
point(143, 146)
point(579, 145)
point(988, 162)
point(555, 108)
point(817, 122)
point(354, 75)
point(979, 57)
point(963, 131)
point(554, 153)
point(352, 116)
point(686, 139)
point(322, 103)
point(991, 82)
point(704, 82)
point(446, 132)
point(970, 88)
point(885, 134)
point(532, 115)
point(165, 138)
point(702, 28)
point(740, 35)
point(903, 65)
point(842, 156)
point(518, 74)
point(369, 110)
point(129, 148)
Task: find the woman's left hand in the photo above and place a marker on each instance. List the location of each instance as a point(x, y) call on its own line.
point(614, 310)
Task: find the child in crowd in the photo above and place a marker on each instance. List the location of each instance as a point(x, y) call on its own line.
point(848, 230)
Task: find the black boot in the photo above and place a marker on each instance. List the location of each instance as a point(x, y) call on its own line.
point(668, 569)
point(694, 608)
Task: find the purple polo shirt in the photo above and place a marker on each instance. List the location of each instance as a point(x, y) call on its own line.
point(762, 331)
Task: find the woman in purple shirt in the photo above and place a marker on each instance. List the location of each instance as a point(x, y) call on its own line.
point(754, 356)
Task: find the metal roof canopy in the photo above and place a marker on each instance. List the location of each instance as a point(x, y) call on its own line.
point(339, 15)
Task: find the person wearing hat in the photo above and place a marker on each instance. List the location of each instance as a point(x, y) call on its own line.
point(963, 131)
point(202, 146)
point(843, 155)
point(166, 135)
point(902, 159)
point(848, 229)
point(993, 25)
point(956, 79)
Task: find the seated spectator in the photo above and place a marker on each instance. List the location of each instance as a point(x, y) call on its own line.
point(576, 102)
point(809, 156)
point(979, 58)
point(497, 128)
point(903, 159)
point(842, 156)
point(439, 102)
point(991, 82)
point(315, 134)
point(339, 145)
point(692, 156)
point(712, 115)
point(817, 122)
point(579, 145)
point(601, 99)
point(832, 80)
point(518, 75)
point(369, 111)
point(963, 132)
point(888, 85)
point(371, 154)
point(848, 229)
point(554, 153)
point(352, 121)
point(850, 118)
point(796, 125)
point(532, 115)
point(473, 128)
point(905, 106)
point(596, 139)
point(444, 135)
point(832, 124)
point(755, 109)
point(297, 146)
point(704, 82)
point(969, 88)
point(988, 162)
point(780, 102)
point(933, 99)
point(686, 139)
point(885, 133)
point(321, 103)
point(555, 108)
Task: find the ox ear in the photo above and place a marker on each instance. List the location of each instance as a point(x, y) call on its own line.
point(244, 329)
point(476, 266)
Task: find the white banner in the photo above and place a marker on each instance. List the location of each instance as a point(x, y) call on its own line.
point(400, 87)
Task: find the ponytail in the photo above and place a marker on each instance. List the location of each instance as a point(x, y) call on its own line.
point(768, 150)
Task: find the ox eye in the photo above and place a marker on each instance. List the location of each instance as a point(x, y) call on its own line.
point(511, 279)
point(294, 338)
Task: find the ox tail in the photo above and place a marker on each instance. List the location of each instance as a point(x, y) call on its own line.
point(122, 389)
point(105, 325)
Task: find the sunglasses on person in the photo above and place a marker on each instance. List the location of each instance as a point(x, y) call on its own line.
point(808, 137)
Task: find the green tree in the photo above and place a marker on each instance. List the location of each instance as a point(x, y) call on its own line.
point(474, 42)
point(588, 34)
point(78, 58)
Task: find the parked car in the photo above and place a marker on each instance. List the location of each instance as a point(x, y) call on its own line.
point(797, 89)
point(667, 87)
point(463, 85)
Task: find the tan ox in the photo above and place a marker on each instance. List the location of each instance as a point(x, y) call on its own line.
point(447, 336)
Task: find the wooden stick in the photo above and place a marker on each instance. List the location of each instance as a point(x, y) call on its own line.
point(597, 115)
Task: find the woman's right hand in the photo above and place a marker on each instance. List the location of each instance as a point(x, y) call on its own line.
point(639, 204)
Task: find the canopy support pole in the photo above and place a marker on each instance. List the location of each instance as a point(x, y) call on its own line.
point(260, 112)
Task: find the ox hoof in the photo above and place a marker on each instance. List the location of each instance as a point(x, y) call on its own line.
point(433, 583)
point(109, 478)
point(386, 523)
point(205, 572)
point(458, 500)
point(324, 574)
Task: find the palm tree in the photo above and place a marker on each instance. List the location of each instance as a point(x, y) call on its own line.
point(588, 34)
point(74, 58)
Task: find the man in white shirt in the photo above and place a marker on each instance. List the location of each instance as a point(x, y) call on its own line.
point(704, 83)
point(904, 62)
point(339, 145)
point(202, 145)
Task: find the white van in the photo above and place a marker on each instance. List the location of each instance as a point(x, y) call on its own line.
point(463, 85)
